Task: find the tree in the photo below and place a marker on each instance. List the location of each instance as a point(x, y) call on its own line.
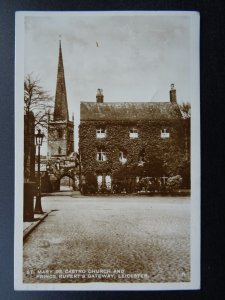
point(185, 109)
point(185, 164)
point(37, 107)
point(37, 100)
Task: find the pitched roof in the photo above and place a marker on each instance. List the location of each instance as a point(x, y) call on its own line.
point(129, 111)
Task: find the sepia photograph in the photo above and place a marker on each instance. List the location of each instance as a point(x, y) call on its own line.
point(107, 143)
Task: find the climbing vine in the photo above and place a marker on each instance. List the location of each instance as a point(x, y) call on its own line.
point(163, 156)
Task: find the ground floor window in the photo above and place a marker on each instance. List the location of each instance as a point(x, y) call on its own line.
point(104, 182)
point(99, 180)
point(108, 182)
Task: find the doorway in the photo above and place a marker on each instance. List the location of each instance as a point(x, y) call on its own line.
point(66, 184)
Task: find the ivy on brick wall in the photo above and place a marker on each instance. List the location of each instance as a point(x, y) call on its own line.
point(165, 156)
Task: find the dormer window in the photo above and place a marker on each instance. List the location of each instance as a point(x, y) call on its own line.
point(100, 133)
point(165, 134)
point(101, 155)
point(123, 157)
point(133, 133)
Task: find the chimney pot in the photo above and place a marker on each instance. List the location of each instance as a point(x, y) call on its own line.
point(173, 94)
point(99, 96)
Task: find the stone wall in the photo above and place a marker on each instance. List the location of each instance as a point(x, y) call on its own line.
point(29, 147)
point(60, 138)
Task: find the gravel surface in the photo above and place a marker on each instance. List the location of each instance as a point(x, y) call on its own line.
point(110, 239)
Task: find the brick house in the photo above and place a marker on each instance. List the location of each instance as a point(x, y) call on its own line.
point(125, 141)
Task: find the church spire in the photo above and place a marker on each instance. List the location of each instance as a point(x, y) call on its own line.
point(61, 108)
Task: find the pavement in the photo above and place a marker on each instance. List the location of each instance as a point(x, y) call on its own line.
point(28, 227)
point(143, 235)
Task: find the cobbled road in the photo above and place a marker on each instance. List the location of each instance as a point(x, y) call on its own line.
point(127, 239)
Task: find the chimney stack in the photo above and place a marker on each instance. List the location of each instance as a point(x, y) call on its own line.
point(173, 95)
point(99, 96)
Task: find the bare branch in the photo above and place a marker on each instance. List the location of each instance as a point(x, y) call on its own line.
point(37, 100)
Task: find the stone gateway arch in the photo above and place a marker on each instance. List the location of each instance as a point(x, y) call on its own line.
point(61, 159)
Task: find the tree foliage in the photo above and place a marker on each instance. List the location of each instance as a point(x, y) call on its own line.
point(185, 109)
point(174, 183)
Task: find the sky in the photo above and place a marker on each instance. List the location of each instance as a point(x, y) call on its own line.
point(132, 57)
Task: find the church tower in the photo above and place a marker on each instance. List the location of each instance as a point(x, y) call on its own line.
point(60, 129)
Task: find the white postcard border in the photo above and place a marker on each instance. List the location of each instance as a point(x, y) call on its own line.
point(195, 163)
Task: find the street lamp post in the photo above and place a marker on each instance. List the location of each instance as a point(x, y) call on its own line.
point(38, 140)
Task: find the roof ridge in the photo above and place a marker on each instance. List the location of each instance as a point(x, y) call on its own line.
point(128, 110)
point(130, 102)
